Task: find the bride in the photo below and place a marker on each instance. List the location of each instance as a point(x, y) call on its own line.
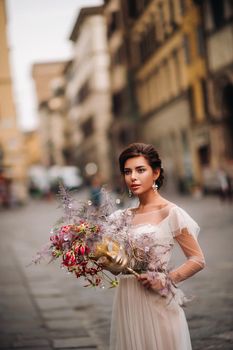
point(147, 310)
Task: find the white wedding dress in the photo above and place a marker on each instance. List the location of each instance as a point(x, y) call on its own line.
point(141, 318)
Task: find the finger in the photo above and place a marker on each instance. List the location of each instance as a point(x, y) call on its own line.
point(146, 283)
point(142, 277)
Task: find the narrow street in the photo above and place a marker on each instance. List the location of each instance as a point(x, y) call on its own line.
point(42, 307)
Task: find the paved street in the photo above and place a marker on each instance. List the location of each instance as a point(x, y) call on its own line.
point(42, 307)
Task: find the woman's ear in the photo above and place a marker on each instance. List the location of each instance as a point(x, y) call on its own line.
point(156, 173)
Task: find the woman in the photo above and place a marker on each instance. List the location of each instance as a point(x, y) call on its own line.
point(147, 314)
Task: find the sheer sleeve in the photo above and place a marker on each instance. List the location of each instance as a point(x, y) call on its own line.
point(179, 220)
point(185, 231)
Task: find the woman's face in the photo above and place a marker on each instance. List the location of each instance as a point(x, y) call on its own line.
point(139, 176)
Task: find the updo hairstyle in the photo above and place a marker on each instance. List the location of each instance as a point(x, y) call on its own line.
point(148, 152)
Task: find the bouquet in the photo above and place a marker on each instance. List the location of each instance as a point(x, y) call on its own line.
point(83, 236)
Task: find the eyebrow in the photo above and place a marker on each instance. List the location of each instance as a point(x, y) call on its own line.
point(137, 167)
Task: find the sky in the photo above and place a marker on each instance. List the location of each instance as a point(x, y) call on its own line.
point(38, 31)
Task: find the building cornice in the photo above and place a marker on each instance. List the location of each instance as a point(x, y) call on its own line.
point(83, 14)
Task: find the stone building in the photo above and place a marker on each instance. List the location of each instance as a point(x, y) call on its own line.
point(124, 106)
point(12, 152)
point(167, 63)
point(217, 150)
point(88, 95)
point(50, 90)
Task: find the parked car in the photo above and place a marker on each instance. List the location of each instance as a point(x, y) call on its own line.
point(38, 180)
point(68, 175)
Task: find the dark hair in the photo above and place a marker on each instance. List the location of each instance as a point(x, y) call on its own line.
point(148, 152)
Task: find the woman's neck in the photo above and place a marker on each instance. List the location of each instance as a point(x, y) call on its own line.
point(150, 199)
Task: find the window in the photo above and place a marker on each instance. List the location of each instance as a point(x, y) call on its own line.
point(204, 94)
point(182, 7)
point(118, 56)
point(124, 137)
point(200, 40)
point(147, 44)
point(82, 93)
point(204, 154)
point(88, 127)
point(187, 49)
point(228, 8)
point(191, 102)
point(59, 91)
point(114, 23)
point(117, 102)
point(177, 71)
point(136, 7)
point(172, 12)
point(218, 12)
point(132, 9)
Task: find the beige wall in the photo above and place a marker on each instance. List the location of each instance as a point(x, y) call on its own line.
point(48, 78)
point(32, 147)
point(11, 141)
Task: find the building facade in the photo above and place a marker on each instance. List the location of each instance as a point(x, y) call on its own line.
point(32, 148)
point(123, 128)
point(12, 152)
point(168, 63)
point(88, 95)
point(218, 28)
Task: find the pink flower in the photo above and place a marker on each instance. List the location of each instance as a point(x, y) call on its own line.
point(65, 229)
point(54, 239)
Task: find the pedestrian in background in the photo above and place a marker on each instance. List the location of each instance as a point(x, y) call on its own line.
point(5, 190)
point(225, 185)
point(95, 190)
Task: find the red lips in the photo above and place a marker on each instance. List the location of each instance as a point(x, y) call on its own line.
point(134, 187)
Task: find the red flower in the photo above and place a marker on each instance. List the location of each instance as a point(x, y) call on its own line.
point(76, 249)
point(69, 259)
point(82, 249)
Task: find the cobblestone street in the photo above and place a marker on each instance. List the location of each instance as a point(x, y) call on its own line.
point(42, 307)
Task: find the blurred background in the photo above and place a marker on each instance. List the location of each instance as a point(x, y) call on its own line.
point(159, 72)
point(79, 81)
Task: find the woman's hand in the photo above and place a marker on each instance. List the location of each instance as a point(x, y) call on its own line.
point(155, 281)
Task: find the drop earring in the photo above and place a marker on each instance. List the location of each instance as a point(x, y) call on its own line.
point(155, 187)
point(130, 193)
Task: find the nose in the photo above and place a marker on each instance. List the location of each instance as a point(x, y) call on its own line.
point(133, 176)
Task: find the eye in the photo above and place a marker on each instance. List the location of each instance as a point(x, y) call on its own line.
point(141, 170)
point(127, 172)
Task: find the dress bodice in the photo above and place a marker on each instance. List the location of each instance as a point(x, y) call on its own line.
point(152, 239)
point(150, 236)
